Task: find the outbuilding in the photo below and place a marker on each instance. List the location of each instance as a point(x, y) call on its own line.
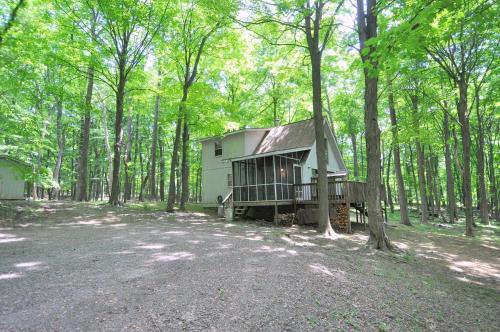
point(12, 178)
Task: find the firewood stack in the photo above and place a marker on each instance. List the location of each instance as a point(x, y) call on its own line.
point(285, 219)
point(340, 220)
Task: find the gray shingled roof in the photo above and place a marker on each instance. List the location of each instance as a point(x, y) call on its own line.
point(293, 136)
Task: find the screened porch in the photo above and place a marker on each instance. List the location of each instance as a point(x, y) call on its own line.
point(269, 178)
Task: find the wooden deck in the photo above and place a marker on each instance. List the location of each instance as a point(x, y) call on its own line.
point(339, 192)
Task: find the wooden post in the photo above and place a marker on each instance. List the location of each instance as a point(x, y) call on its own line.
point(276, 213)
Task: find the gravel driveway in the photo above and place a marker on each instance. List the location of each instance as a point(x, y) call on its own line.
point(97, 269)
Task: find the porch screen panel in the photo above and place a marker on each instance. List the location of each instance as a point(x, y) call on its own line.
point(252, 180)
point(261, 179)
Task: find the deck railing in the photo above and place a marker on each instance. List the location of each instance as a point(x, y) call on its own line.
point(339, 191)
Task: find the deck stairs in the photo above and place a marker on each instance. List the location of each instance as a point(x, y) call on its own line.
point(240, 211)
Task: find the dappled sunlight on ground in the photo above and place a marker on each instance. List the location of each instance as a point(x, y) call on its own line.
point(175, 256)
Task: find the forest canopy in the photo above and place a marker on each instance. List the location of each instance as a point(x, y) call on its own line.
point(107, 100)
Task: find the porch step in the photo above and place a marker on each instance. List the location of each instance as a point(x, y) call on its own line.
point(240, 211)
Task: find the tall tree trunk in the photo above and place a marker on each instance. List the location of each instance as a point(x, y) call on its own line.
point(107, 145)
point(466, 155)
point(175, 156)
point(152, 177)
point(60, 149)
point(420, 165)
point(162, 170)
point(388, 183)
point(355, 155)
point(312, 26)
point(367, 29)
point(450, 181)
point(414, 177)
point(403, 207)
point(429, 181)
point(82, 180)
point(185, 163)
point(120, 96)
point(422, 183)
point(127, 159)
point(483, 198)
point(493, 183)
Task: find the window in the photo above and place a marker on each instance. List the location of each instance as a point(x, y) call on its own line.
point(229, 180)
point(218, 149)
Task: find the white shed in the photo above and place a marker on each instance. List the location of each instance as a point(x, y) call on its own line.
point(12, 175)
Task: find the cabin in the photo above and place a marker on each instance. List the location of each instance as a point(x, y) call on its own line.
point(12, 178)
point(262, 172)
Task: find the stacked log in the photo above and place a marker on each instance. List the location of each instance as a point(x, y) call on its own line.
point(340, 220)
point(285, 219)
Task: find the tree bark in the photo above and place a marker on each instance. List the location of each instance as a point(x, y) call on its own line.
point(420, 164)
point(175, 157)
point(120, 96)
point(450, 180)
point(466, 155)
point(355, 155)
point(367, 29)
point(403, 204)
point(483, 197)
point(127, 159)
point(152, 177)
point(429, 180)
point(185, 164)
point(388, 183)
point(60, 149)
point(109, 154)
point(82, 180)
point(162, 170)
point(312, 27)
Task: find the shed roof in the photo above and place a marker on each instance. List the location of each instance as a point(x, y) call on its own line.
point(288, 137)
point(21, 164)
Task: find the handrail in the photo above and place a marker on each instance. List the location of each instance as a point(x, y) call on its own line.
point(227, 202)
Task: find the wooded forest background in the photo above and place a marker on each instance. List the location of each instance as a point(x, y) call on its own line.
point(106, 100)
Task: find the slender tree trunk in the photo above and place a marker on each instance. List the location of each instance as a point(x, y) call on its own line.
point(466, 155)
point(420, 165)
point(403, 207)
point(429, 181)
point(414, 177)
point(109, 154)
point(483, 197)
point(422, 183)
point(144, 182)
point(162, 170)
point(492, 176)
point(355, 155)
point(152, 181)
point(82, 180)
point(367, 29)
point(324, 226)
point(175, 156)
point(450, 181)
point(60, 149)
point(185, 164)
point(120, 95)
point(127, 159)
point(388, 183)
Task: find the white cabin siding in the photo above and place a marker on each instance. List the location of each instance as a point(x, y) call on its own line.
point(11, 180)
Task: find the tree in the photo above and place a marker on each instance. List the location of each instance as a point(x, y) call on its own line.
point(403, 207)
point(458, 47)
point(310, 20)
point(192, 34)
point(367, 32)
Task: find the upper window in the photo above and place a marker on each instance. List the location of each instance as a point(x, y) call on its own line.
point(218, 149)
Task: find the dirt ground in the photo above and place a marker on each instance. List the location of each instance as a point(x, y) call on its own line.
point(68, 266)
